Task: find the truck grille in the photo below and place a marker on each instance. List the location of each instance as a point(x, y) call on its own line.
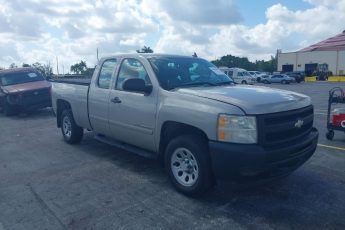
point(35, 96)
point(277, 129)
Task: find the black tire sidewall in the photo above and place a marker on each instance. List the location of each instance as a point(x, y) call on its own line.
point(200, 152)
point(76, 131)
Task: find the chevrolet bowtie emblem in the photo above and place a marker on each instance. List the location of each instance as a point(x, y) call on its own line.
point(299, 123)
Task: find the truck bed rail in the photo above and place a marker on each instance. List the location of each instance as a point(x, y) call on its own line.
point(73, 81)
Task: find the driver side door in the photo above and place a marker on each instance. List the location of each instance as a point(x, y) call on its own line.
point(132, 115)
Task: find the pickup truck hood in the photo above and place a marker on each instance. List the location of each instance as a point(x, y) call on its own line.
point(25, 87)
point(251, 99)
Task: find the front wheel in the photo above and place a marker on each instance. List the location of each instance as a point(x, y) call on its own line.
point(188, 165)
point(71, 132)
point(284, 82)
point(244, 82)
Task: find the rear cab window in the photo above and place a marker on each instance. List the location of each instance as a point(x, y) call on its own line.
point(105, 74)
point(131, 68)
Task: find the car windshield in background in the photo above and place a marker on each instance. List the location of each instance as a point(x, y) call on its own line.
point(19, 78)
point(174, 72)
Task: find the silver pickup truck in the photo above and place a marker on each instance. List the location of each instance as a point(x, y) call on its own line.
point(189, 115)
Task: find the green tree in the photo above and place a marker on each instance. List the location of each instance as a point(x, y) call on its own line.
point(233, 61)
point(25, 65)
point(79, 68)
point(243, 62)
point(89, 72)
point(145, 49)
point(45, 69)
point(13, 65)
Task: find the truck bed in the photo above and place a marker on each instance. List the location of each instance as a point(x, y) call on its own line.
point(75, 92)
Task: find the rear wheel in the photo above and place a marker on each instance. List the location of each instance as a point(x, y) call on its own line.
point(188, 165)
point(244, 82)
point(266, 82)
point(71, 132)
point(284, 82)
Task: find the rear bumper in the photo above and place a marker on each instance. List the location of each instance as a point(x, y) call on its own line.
point(231, 161)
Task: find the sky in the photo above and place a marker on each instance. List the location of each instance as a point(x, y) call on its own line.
point(72, 30)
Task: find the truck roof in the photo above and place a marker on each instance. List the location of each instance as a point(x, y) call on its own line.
point(146, 55)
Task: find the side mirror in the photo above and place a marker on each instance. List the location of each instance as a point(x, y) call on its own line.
point(136, 85)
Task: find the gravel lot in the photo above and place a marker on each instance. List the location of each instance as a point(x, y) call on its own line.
point(47, 184)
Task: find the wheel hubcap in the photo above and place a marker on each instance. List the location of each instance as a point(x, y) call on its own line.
point(67, 127)
point(184, 167)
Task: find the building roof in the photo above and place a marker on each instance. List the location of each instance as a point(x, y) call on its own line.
point(331, 44)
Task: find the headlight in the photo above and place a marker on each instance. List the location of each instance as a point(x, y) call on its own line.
point(237, 129)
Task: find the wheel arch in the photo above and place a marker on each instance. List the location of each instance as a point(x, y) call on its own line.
point(61, 105)
point(172, 129)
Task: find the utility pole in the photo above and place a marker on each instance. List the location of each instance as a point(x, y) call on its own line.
point(57, 65)
point(97, 54)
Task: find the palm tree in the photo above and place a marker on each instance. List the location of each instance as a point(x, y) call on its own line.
point(145, 49)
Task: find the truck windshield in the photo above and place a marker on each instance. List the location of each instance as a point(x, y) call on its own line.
point(174, 72)
point(19, 78)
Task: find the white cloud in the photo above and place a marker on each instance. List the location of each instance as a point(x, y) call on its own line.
point(40, 30)
point(285, 29)
point(200, 12)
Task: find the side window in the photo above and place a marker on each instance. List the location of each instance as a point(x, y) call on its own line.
point(230, 73)
point(131, 68)
point(240, 74)
point(105, 74)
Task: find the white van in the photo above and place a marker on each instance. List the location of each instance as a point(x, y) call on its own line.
point(239, 75)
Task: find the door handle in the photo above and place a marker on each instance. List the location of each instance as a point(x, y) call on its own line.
point(115, 100)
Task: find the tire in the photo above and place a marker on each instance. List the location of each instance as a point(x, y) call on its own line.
point(244, 82)
point(188, 165)
point(266, 82)
point(330, 135)
point(71, 132)
point(284, 82)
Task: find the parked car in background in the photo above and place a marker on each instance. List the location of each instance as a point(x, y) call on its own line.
point(23, 88)
point(257, 74)
point(278, 78)
point(298, 76)
point(240, 76)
